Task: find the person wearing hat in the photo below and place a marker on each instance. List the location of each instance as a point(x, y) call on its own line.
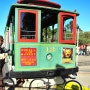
point(3, 55)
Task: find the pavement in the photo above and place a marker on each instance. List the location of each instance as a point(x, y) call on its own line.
point(83, 76)
point(84, 69)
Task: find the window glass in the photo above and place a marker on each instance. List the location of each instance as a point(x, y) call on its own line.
point(68, 26)
point(27, 25)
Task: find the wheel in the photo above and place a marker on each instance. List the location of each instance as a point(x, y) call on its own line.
point(41, 82)
point(8, 82)
point(72, 85)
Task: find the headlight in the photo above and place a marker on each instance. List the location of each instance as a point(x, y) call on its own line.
point(49, 56)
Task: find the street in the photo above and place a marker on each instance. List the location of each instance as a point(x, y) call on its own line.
point(83, 76)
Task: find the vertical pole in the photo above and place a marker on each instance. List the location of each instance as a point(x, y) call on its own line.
point(77, 46)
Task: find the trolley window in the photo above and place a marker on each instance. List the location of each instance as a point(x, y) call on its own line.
point(67, 27)
point(49, 27)
point(28, 25)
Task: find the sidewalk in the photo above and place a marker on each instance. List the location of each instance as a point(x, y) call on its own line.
point(83, 76)
point(84, 69)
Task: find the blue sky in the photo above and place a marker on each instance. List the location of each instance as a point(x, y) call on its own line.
point(82, 7)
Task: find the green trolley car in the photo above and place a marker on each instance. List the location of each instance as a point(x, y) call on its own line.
point(42, 38)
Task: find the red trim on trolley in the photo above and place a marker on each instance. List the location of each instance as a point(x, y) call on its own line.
point(36, 28)
point(62, 15)
point(40, 3)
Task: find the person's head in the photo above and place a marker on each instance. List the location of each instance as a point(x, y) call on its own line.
point(1, 40)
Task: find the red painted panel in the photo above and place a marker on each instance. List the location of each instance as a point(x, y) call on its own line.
point(28, 56)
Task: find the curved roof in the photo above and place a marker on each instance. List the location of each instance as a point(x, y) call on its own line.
point(40, 3)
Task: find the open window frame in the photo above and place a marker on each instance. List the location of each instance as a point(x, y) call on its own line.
point(64, 16)
point(35, 12)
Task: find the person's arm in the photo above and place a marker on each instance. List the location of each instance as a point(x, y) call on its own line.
point(3, 56)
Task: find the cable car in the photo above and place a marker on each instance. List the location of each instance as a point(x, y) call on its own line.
point(42, 39)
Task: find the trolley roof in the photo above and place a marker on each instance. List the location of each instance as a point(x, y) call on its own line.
point(40, 3)
point(37, 7)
